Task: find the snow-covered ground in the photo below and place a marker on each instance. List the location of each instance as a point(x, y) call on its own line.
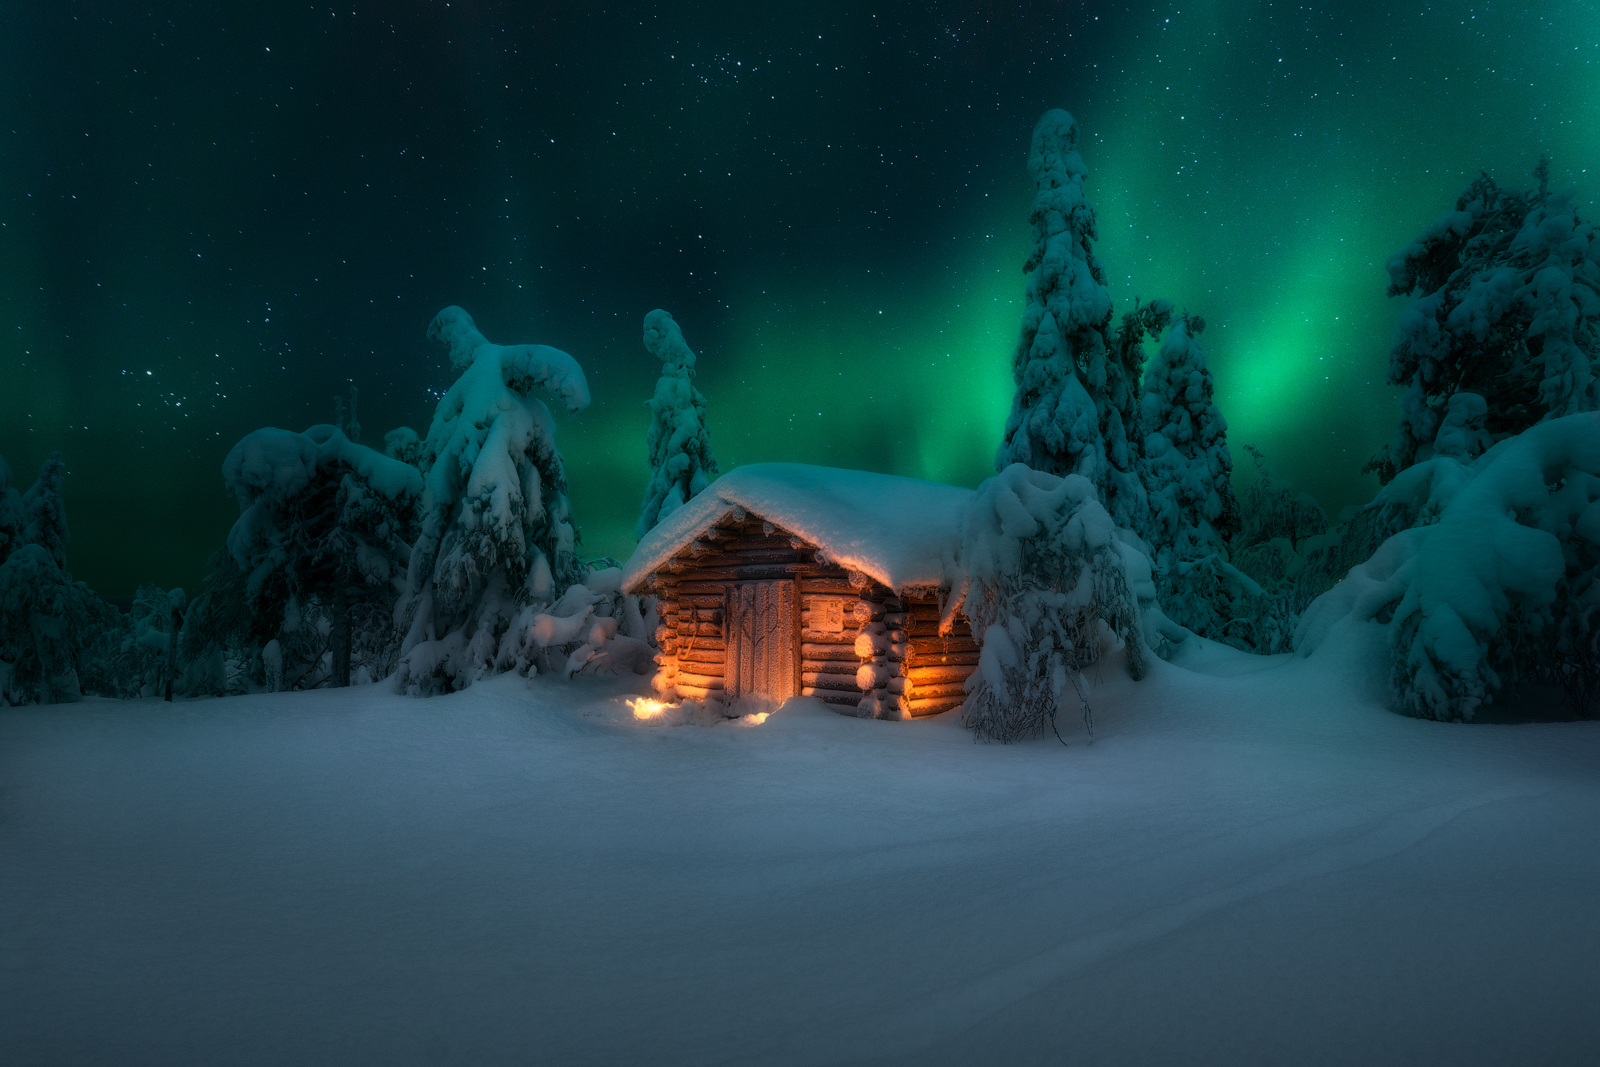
point(1251, 864)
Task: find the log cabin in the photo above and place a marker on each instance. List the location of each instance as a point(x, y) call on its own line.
point(785, 579)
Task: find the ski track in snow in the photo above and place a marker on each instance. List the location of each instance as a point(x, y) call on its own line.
point(1253, 864)
point(959, 1009)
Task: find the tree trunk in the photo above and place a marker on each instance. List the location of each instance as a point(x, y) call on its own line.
point(341, 633)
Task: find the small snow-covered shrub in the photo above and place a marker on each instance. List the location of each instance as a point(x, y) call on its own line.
point(1048, 586)
point(1495, 582)
point(592, 628)
point(403, 444)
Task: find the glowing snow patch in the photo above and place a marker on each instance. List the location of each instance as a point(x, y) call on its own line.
point(645, 708)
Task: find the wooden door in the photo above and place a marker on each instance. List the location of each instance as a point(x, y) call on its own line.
point(763, 654)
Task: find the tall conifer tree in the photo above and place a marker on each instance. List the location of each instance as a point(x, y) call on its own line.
point(681, 463)
point(1075, 410)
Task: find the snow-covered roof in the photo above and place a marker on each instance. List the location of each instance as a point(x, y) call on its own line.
point(903, 532)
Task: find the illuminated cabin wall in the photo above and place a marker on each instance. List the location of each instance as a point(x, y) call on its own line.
point(852, 633)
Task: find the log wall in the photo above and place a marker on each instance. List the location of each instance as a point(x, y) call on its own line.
point(909, 669)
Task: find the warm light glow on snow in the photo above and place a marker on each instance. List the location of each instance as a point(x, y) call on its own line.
point(754, 720)
point(645, 708)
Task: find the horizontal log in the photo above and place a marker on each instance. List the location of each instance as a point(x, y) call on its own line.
point(703, 655)
point(822, 666)
point(823, 584)
point(836, 682)
point(728, 556)
point(695, 692)
point(745, 543)
point(846, 637)
point(817, 650)
point(959, 641)
point(951, 659)
point(691, 589)
point(931, 626)
point(943, 645)
point(934, 706)
point(930, 675)
point(688, 603)
point(929, 629)
point(734, 560)
point(698, 630)
point(703, 681)
point(748, 572)
point(832, 696)
point(930, 690)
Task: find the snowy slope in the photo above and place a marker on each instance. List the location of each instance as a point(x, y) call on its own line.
point(1254, 865)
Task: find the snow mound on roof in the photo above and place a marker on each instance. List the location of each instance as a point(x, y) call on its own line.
point(903, 532)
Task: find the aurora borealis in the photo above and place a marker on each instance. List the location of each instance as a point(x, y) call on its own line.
point(216, 220)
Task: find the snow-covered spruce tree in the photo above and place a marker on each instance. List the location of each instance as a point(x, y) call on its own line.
point(1508, 307)
point(1194, 514)
point(681, 463)
point(1122, 415)
point(147, 656)
point(51, 629)
point(496, 533)
point(11, 524)
point(403, 444)
point(1284, 546)
point(1193, 509)
point(1496, 580)
point(1076, 405)
point(322, 521)
point(220, 642)
point(1048, 585)
point(1274, 508)
point(44, 517)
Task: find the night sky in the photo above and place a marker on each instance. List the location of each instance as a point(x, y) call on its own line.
point(216, 217)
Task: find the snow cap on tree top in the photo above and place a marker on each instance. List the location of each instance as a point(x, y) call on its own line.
point(456, 329)
point(550, 367)
point(269, 462)
point(1054, 154)
point(277, 464)
point(664, 340)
